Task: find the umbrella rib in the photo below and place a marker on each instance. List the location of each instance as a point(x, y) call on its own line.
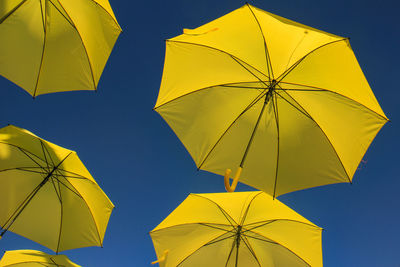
point(222, 239)
point(190, 254)
point(48, 153)
point(275, 108)
point(230, 253)
point(222, 210)
point(61, 219)
point(182, 224)
point(258, 226)
point(74, 177)
point(84, 47)
point(329, 141)
point(249, 247)
point(59, 11)
point(248, 207)
point(287, 101)
point(23, 169)
point(12, 11)
point(216, 241)
point(222, 51)
point(277, 220)
point(205, 88)
point(77, 175)
point(33, 261)
point(319, 89)
point(300, 90)
point(44, 20)
point(230, 126)
point(44, 154)
point(287, 71)
point(218, 228)
point(294, 50)
point(116, 23)
point(245, 87)
point(264, 240)
point(269, 64)
point(61, 172)
point(237, 251)
point(304, 85)
point(245, 209)
point(252, 73)
point(55, 189)
point(58, 265)
point(25, 152)
point(279, 244)
point(91, 213)
point(80, 196)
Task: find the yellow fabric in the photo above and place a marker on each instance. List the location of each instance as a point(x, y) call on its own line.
point(69, 211)
point(317, 124)
point(34, 258)
point(201, 231)
point(69, 43)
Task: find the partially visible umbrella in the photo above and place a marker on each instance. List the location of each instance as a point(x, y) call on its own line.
point(285, 102)
point(34, 258)
point(47, 194)
point(236, 229)
point(55, 45)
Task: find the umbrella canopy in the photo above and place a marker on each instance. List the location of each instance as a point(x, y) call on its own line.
point(236, 229)
point(286, 102)
point(34, 258)
point(47, 194)
point(55, 45)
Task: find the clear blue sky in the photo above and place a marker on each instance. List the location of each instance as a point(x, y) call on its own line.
point(145, 170)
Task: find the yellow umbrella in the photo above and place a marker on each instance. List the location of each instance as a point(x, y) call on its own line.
point(236, 229)
point(286, 102)
point(47, 194)
point(55, 45)
point(34, 258)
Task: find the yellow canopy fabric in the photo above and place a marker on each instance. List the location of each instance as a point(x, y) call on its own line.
point(55, 45)
point(287, 102)
point(236, 229)
point(47, 194)
point(34, 258)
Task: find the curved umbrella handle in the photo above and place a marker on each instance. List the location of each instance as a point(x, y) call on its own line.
point(162, 258)
point(231, 188)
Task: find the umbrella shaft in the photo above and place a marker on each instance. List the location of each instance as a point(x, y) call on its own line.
point(30, 197)
point(268, 95)
point(237, 240)
point(26, 202)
